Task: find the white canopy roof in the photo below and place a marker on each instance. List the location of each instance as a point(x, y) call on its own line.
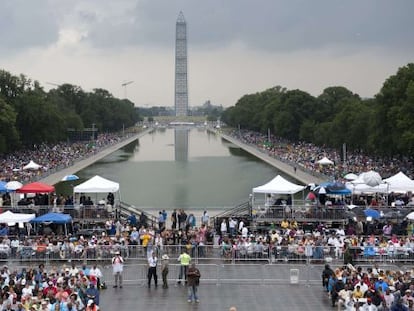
point(360, 187)
point(97, 184)
point(279, 185)
point(32, 166)
point(10, 217)
point(399, 183)
point(325, 161)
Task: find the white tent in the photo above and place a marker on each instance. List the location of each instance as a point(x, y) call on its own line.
point(278, 185)
point(325, 161)
point(400, 183)
point(358, 187)
point(10, 217)
point(32, 166)
point(97, 184)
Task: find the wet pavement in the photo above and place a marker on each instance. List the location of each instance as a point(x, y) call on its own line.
point(217, 297)
point(252, 296)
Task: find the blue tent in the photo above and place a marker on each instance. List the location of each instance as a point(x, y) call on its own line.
point(335, 188)
point(55, 218)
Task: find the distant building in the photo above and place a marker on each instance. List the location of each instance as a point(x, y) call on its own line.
point(181, 89)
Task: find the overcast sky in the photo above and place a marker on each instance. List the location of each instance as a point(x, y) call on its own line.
point(235, 47)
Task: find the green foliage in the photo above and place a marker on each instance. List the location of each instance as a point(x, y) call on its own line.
point(382, 125)
point(29, 115)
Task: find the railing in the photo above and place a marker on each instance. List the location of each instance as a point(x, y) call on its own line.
point(224, 254)
point(303, 212)
point(76, 211)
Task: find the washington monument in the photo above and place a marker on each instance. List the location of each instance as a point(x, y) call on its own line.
point(181, 89)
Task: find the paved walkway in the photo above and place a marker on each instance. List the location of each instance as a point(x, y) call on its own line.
point(216, 297)
point(238, 285)
point(56, 177)
point(286, 168)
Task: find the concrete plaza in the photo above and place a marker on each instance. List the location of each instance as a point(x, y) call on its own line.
point(216, 297)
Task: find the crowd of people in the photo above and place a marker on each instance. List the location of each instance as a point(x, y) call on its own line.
point(50, 157)
point(372, 289)
point(68, 288)
point(306, 155)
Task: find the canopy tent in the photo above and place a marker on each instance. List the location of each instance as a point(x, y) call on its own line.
point(400, 183)
point(32, 166)
point(278, 185)
point(10, 217)
point(36, 187)
point(325, 161)
point(97, 184)
point(351, 176)
point(360, 187)
point(54, 218)
point(335, 188)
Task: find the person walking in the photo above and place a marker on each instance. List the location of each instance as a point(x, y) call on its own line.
point(152, 269)
point(164, 270)
point(193, 276)
point(184, 260)
point(118, 268)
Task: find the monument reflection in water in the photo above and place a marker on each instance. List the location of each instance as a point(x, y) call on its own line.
point(181, 144)
point(188, 168)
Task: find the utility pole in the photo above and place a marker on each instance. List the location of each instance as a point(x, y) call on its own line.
point(125, 87)
point(93, 132)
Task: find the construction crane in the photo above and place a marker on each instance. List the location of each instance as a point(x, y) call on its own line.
point(125, 87)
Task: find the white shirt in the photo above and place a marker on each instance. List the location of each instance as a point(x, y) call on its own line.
point(117, 264)
point(223, 226)
point(245, 232)
point(152, 261)
point(95, 272)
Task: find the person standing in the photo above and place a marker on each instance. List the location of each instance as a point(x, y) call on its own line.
point(118, 268)
point(164, 270)
point(205, 219)
point(184, 260)
point(232, 227)
point(174, 220)
point(152, 269)
point(193, 275)
point(223, 228)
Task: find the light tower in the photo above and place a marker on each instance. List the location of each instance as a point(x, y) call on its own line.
point(125, 87)
point(181, 90)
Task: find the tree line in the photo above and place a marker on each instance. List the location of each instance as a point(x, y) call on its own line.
point(29, 115)
point(383, 125)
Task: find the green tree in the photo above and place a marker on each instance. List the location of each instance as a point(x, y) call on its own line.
point(9, 138)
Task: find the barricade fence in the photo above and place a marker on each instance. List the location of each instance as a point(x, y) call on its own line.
point(226, 254)
point(217, 274)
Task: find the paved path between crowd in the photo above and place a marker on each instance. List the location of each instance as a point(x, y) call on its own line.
point(238, 286)
point(286, 168)
point(56, 177)
point(245, 297)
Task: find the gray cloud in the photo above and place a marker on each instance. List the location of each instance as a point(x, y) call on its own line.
point(273, 25)
point(25, 24)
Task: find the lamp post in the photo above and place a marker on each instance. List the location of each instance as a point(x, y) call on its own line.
point(125, 84)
